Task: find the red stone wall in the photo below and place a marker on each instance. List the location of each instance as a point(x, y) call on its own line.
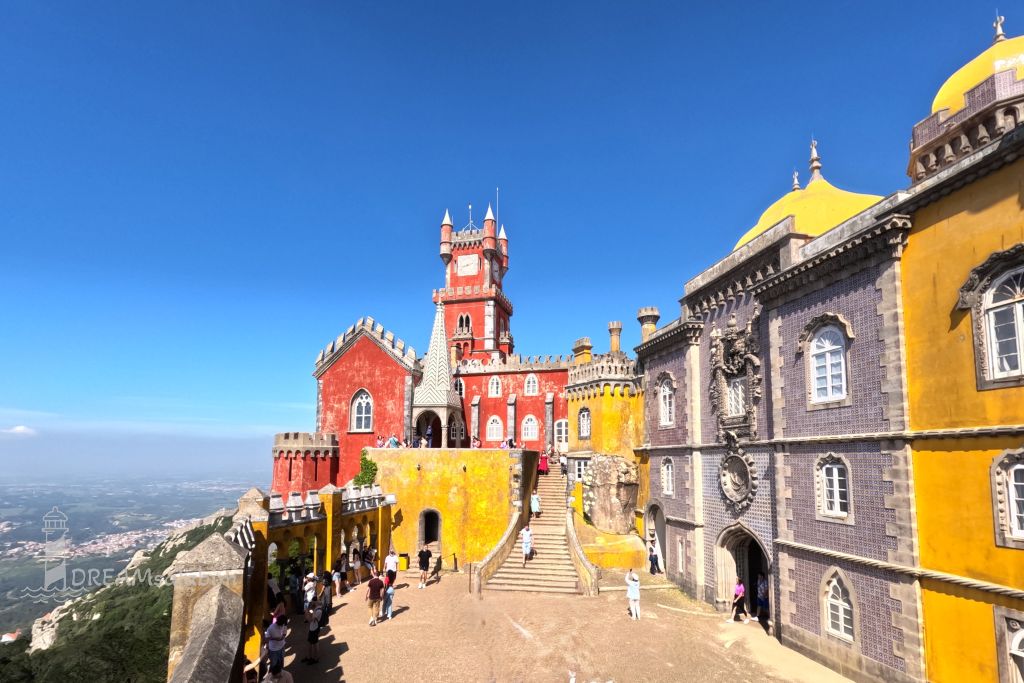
point(303, 471)
point(553, 381)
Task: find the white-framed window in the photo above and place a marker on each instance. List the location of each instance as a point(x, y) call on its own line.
point(828, 365)
point(1017, 653)
point(737, 396)
point(835, 489)
point(667, 477)
point(666, 403)
point(494, 431)
point(561, 431)
point(1015, 481)
point(1004, 319)
point(457, 432)
point(584, 423)
point(681, 555)
point(839, 621)
point(532, 386)
point(460, 387)
point(494, 387)
point(580, 469)
point(530, 429)
point(362, 412)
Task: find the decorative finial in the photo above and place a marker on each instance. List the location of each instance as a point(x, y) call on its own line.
point(998, 26)
point(815, 161)
point(796, 180)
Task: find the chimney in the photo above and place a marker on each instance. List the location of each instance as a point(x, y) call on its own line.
point(581, 350)
point(648, 317)
point(614, 334)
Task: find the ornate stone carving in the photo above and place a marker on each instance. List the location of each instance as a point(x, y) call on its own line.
point(1001, 466)
point(737, 475)
point(734, 355)
point(823, 320)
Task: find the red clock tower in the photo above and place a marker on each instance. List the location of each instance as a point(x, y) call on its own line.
point(477, 312)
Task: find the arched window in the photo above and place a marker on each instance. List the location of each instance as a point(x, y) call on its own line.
point(839, 609)
point(828, 365)
point(667, 477)
point(531, 429)
point(362, 412)
point(584, 423)
point(532, 387)
point(1015, 481)
point(835, 489)
point(494, 431)
point(494, 387)
point(460, 388)
point(1004, 319)
point(561, 431)
point(666, 403)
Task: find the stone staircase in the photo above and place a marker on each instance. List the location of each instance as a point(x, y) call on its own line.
point(551, 569)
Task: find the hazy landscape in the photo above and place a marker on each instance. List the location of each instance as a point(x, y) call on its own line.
point(108, 520)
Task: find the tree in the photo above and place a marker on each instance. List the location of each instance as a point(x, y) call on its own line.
point(367, 470)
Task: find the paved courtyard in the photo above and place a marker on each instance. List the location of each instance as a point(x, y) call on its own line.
point(443, 633)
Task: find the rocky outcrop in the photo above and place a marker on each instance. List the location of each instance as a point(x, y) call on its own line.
point(610, 487)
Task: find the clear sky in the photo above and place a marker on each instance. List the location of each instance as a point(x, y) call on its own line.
point(195, 197)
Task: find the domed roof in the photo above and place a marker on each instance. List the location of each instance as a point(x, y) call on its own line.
point(817, 208)
point(1003, 54)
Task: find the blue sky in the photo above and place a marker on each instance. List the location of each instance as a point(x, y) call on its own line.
point(198, 196)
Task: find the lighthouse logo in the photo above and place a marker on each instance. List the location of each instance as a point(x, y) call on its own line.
point(56, 551)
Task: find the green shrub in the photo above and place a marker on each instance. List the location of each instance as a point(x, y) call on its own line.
point(367, 470)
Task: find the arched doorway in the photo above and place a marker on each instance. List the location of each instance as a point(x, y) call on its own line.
point(430, 530)
point(738, 552)
point(429, 426)
point(654, 523)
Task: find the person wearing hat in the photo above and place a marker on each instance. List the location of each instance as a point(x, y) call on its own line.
point(308, 590)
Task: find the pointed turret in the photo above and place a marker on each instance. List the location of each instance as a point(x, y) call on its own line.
point(436, 390)
point(503, 249)
point(490, 245)
point(446, 238)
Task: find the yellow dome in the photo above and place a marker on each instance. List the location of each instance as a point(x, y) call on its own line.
point(1000, 56)
point(817, 208)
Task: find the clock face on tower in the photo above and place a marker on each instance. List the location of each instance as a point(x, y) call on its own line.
point(467, 264)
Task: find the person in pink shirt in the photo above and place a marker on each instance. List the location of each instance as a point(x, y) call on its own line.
point(738, 603)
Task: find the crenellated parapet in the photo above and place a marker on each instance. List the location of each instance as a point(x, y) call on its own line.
point(513, 363)
point(369, 327)
point(993, 108)
point(446, 294)
point(614, 371)
point(306, 444)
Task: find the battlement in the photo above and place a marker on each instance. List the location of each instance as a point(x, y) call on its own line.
point(470, 237)
point(582, 343)
point(609, 366)
point(367, 325)
point(305, 440)
point(513, 363)
point(476, 291)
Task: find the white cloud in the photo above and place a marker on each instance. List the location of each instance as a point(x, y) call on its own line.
point(19, 430)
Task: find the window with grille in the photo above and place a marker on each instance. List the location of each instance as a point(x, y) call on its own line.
point(1004, 315)
point(1016, 483)
point(581, 469)
point(836, 498)
point(362, 412)
point(494, 432)
point(666, 403)
point(561, 431)
point(494, 387)
point(532, 387)
point(737, 396)
point(840, 609)
point(584, 423)
point(828, 365)
point(667, 477)
point(460, 387)
point(531, 428)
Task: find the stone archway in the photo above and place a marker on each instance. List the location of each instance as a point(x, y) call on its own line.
point(429, 421)
point(739, 552)
point(654, 525)
point(430, 530)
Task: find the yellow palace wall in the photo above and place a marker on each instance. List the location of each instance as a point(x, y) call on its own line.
point(468, 488)
point(952, 483)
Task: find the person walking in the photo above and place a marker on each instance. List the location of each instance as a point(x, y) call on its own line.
point(336, 577)
point(535, 504)
point(424, 559)
point(389, 599)
point(762, 595)
point(543, 464)
point(526, 536)
point(564, 464)
point(633, 594)
point(276, 636)
point(391, 566)
point(313, 616)
point(357, 563)
point(374, 593)
point(652, 557)
point(738, 594)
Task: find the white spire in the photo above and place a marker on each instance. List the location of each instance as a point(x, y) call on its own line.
point(490, 214)
point(501, 233)
point(447, 218)
point(436, 390)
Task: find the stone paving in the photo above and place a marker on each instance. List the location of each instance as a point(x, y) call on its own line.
point(444, 633)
